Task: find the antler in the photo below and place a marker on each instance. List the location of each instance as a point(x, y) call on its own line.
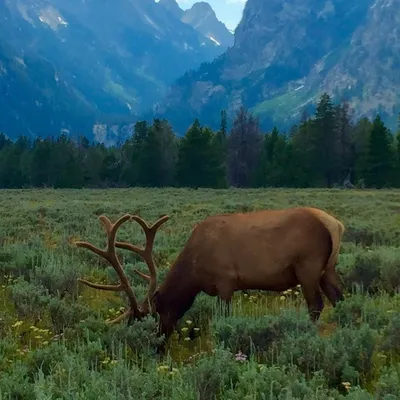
point(146, 253)
point(111, 256)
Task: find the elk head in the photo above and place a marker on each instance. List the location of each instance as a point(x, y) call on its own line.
point(136, 310)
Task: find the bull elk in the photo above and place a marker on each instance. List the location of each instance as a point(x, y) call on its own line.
point(271, 250)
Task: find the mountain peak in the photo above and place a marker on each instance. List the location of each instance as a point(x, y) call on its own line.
point(287, 52)
point(173, 7)
point(202, 7)
point(64, 56)
point(203, 18)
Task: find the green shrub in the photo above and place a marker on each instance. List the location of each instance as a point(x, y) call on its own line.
point(391, 338)
point(260, 335)
point(388, 387)
point(212, 374)
point(357, 310)
point(29, 299)
point(15, 384)
point(344, 356)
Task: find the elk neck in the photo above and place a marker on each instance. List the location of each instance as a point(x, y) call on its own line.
point(177, 293)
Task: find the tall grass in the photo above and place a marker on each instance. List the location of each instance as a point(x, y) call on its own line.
point(55, 344)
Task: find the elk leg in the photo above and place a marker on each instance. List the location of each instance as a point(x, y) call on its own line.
point(314, 300)
point(315, 304)
point(225, 301)
point(224, 306)
point(331, 287)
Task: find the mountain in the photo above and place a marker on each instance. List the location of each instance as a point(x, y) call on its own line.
point(202, 17)
point(287, 53)
point(173, 7)
point(68, 64)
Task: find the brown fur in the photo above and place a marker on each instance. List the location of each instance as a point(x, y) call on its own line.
point(265, 250)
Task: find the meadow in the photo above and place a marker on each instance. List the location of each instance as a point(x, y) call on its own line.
point(55, 344)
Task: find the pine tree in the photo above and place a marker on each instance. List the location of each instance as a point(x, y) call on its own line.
point(220, 148)
point(379, 162)
point(40, 166)
point(396, 172)
point(325, 155)
point(360, 138)
point(197, 162)
point(345, 149)
point(278, 162)
point(244, 149)
point(158, 156)
point(168, 151)
point(132, 153)
point(149, 167)
point(302, 147)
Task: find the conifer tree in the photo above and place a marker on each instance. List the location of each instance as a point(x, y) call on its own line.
point(197, 163)
point(220, 148)
point(244, 149)
point(325, 157)
point(379, 167)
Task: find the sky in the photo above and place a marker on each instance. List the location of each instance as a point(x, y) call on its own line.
point(228, 11)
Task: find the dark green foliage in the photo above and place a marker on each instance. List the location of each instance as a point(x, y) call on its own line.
point(54, 342)
point(388, 387)
point(244, 149)
point(322, 151)
point(311, 353)
point(198, 164)
point(213, 374)
point(355, 311)
point(391, 338)
point(250, 335)
point(372, 273)
point(379, 165)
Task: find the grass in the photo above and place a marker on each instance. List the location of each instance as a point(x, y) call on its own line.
point(54, 342)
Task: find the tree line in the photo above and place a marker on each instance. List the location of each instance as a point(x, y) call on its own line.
point(323, 150)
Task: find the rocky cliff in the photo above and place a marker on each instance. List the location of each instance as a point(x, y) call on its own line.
point(202, 17)
point(67, 64)
point(287, 52)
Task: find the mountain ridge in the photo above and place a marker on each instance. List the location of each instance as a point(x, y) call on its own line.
point(202, 17)
point(286, 54)
point(97, 62)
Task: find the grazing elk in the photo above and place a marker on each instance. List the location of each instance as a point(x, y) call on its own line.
point(266, 250)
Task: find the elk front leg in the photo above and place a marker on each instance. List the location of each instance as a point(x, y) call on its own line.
point(224, 306)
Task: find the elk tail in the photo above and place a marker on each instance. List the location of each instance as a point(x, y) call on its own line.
point(336, 230)
point(330, 280)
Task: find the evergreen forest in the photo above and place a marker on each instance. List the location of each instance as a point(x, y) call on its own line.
point(327, 149)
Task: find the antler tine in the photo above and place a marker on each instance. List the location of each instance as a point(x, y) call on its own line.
point(111, 256)
point(146, 252)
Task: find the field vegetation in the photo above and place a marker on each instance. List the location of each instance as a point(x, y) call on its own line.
point(55, 344)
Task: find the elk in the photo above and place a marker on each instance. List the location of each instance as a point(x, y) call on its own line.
point(272, 250)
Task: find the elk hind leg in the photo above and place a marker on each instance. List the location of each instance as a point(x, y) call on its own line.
point(330, 285)
point(314, 301)
point(312, 295)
